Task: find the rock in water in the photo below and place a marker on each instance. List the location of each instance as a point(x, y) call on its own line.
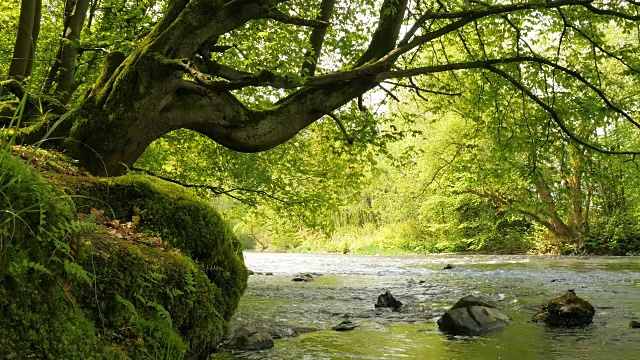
point(345, 326)
point(472, 315)
point(387, 300)
point(448, 266)
point(566, 310)
point(634, 324)
point(303, 278)
point(248, 338)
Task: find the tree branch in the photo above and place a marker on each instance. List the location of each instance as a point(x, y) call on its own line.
point(342, 128)
point(386, 34)
point(417, 88)
point(221, 117)
point(277, 15)
point(486, 64)
point(317, 39)
point(214, 189)
point(554, 114)
point(608, 12)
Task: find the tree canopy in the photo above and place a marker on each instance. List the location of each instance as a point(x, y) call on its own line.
point(554, 79)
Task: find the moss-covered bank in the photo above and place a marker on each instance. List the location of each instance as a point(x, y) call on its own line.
point(160, 280)
point(178, 217)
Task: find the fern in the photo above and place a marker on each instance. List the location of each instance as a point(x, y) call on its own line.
point(128, 305)
point(164, 314)
point(77, 271)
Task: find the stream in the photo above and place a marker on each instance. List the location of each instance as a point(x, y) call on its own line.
point(347, 287)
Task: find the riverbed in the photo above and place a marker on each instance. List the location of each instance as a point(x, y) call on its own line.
point(346, 287)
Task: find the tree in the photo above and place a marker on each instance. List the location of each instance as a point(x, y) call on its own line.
point(239, 71)
point(27, 39)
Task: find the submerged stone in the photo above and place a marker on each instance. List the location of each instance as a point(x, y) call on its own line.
point(249, 339)
point(345, 326)
point(634, 324)
point(387, 300)
point(302, 278)
point(472, 315)
point(566, 310)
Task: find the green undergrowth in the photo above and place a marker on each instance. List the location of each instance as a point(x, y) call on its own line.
point(176, 215)
point(123, 268)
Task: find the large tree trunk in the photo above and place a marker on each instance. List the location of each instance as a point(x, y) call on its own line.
point(147, 96)
point(28, 30)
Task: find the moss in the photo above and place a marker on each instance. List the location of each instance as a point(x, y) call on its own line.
point(566, 310)
point(181, 219)
point(32, 211)
point(146, 301)
point(7, 111)
point(38, 319)
point(41, 323)
point(184, 222)
point(152, 280)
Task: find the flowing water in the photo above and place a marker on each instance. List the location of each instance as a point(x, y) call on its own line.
point(347, 286)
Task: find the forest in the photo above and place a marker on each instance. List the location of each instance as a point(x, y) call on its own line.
point(144, 144)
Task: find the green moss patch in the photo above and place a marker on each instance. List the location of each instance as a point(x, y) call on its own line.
point(162, 298)
point(181, 219)
point(161, 281)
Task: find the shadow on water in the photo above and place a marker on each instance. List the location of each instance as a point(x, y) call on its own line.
point(346, 287)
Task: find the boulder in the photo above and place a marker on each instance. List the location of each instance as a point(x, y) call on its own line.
point(472, 315)
point(448, 266)
point(345, 326)
point(387, 300)
point(303, 278)
point(634, 324)
point(247, 338)
point(566, 310)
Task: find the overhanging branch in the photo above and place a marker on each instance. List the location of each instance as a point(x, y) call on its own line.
point(214, 189)
point(279, 16)
point(554, 115)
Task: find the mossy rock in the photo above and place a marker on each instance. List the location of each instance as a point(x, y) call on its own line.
point(179, 217)
point(33, 211)
point(38, 319)
point(41, 323)
point(567, 310)
point(162, 296)
point(146, 301)
point(7, 111)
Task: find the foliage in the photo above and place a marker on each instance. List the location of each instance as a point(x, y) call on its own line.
point(161, 297)
point(36, 235)
point(182, 221)
point(528, 108)
point(144, 300)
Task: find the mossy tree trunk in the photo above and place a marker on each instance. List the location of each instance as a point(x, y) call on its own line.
point(145, 96)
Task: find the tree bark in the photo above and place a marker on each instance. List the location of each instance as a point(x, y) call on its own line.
point(52, 75)
point(37, 19)
point(317, 39)
point(24, 49)
point(65, 87)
